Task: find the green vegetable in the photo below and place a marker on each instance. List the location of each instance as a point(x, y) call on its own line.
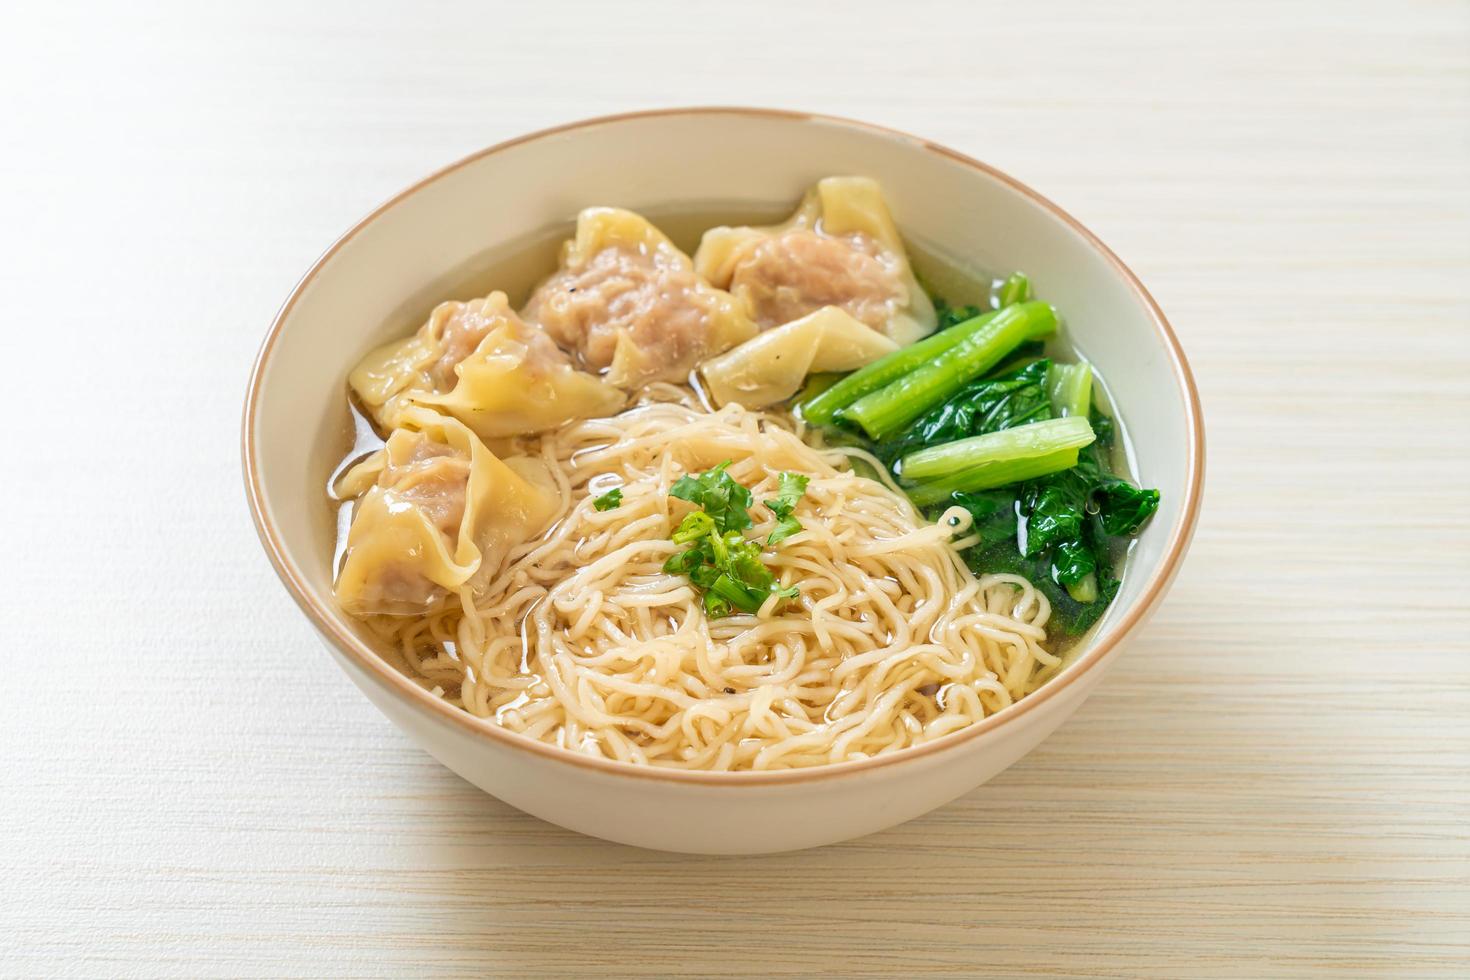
point(816, 384)
point(721, 561)
point(609, 500)
point(1016, 289)
point(887, 410)
point(1021, 446)
point(1123, 507)
point(948, 316)
point(988, 405)
point(1054, 517)
point(822, 409)
point(1103, 426)
point(999, 521)
point(1061, 531)
point(1084, 590)
point(1027, 353)
point(1070, 386)
point(989, 475)
point(1030, 441)
point(792, 486)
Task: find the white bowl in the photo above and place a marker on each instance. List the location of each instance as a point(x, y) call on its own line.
point(380, 279)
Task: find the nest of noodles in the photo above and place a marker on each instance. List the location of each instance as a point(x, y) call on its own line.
point(581, 640)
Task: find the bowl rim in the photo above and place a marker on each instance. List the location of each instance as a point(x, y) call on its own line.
point(1102, 644)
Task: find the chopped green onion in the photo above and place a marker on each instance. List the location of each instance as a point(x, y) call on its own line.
point(695, 525)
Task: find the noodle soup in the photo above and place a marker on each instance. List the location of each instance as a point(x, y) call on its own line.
point(739, 497)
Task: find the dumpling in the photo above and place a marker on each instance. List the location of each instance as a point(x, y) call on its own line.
point(772, 366)
point(482, 364)
point(629, 303)
point(840, 248)
point(518, 381)
point(442, 511)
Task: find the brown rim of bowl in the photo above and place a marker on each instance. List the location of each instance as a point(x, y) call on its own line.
point(443, 711)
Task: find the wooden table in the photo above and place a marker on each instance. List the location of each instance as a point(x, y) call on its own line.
point(1275, 781)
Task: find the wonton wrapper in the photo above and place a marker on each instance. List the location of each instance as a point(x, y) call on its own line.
point(772, 366)
point(482, 364)
point(629, 303)
point(840, 248)
point(442, 510)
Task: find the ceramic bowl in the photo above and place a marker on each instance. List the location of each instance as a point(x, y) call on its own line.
point(434, 241)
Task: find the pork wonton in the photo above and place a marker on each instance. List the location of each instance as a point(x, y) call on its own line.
point(628, 302)
point(442, 510)
point(482, 364)
point(840, 248)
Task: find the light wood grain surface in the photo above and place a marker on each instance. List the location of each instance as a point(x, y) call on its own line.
point(1274, 781)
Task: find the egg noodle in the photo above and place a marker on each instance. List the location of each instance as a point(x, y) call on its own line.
point(581, 640)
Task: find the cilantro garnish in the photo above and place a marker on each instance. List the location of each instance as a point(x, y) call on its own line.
point(609, 500)
point(720, 560)
point(793, 485)
point(725, 501)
